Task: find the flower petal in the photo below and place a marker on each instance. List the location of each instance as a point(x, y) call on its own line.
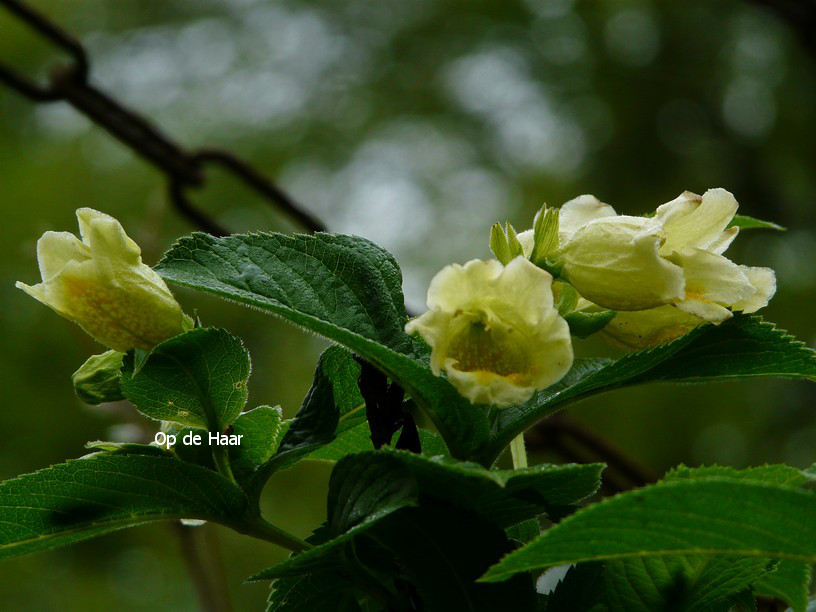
point(764, 282)
point(578, 212)
point(455, 286)
point(646, 328)
point(691, 221)
point(614, 262)
point(55, 249)
point(712, 277)
point(527, 287)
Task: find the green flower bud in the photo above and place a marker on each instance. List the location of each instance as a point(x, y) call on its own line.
point(97, 380)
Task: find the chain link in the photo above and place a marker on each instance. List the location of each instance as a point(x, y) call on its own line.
point(184, 169)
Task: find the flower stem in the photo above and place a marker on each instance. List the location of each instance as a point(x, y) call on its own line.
point(518, 452)
point(222, 462)
point(259, 528)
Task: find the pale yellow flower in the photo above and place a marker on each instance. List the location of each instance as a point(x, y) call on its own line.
point(101, 284)
point(637, 263)
point(646, 328)
point(494, 330)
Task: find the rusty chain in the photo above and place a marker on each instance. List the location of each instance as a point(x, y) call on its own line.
point(184, 169)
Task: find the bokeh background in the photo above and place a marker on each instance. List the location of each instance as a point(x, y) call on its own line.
point(416, 124)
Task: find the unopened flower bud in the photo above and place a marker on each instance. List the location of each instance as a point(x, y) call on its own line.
point(97, 380)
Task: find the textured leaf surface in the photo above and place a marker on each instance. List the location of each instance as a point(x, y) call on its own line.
point(312, 592)
point(314, 426)
point(505, 497)
point(342, 287)
point(83, 498)
point(262, 430)
point(715, 516)
point(784, 475)
point(358, 440)
point(689, 583)
point(197, 379)
point(443, 550)
point(361, 493)
point(742, 347)
point(789, 582)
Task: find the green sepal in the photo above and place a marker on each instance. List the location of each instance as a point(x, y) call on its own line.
point(566, 297)
point(545, 234)
point(584, 324)
point(513, 243)
point(498, 244)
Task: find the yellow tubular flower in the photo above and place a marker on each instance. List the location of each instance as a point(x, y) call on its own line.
point(494, 330)
point(101, 284)
point(637, 263)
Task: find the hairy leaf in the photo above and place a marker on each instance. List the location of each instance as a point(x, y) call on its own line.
point(789, 582)
point(312, 592)
point(198, 379)
point(715, 516)
point(691, 583)
point(442, 550)
point(87, 497)
point(342, 287)
point(361, 493)
point(262, 430)
point(742, 347)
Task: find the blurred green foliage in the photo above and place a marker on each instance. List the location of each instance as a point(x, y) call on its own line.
point(416, 125)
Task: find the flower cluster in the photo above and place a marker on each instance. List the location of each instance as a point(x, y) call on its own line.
point(500, 329)
point(499, 336)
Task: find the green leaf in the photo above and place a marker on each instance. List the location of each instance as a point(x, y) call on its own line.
point(545, 234)
point(262, 430)
point(355, 440)
point(342, 287)
point(127, 448)
point(693, 583)
point(324, 591)
point(783, 475)
point(342, 371)
point(358, 440)
point(789, 582)
point(442, 550)
point(361, 490)
point(524, 531)
point(314, 426)
point(361, 493)
point(197, 379)
point(744, 222)
point(584, 324)
point(87, 497)
point(742, 347)
point(715, 516)
point(505, 497)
